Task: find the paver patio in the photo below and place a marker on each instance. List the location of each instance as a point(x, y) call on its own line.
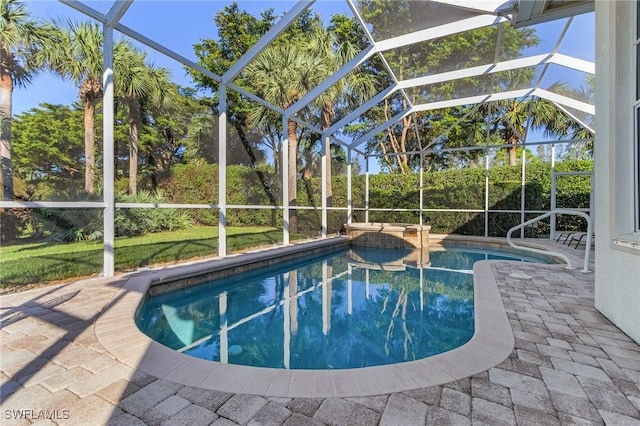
point(570, 366)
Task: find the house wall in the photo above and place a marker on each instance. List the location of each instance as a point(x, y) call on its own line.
point(617, 290)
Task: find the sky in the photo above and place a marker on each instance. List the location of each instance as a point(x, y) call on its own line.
point(176, 24)
point(180, 24)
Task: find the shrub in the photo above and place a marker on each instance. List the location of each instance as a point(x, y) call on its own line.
point(70, 224)
point(137, 221)
point(87, 224)
point(13, 223)
point(194, 183)
point(197, 183)
point(450, 189)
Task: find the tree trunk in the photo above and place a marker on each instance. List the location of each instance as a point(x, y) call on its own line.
point(89, 143)
point(134, 127)
point(292, 175)
point(513, 154)
point(6, 84)
point(307, 154)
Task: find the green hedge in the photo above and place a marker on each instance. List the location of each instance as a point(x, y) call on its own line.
point(451, 189)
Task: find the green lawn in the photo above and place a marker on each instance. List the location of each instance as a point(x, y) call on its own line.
point(24, 264)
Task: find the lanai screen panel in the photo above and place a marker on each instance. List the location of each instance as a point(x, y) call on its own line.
point(450, 137)
point(358, 181)
point(288, 56)
point(338, 158)
point(48, 153)
point(254, 152)
point(586, 118)
point(178, 26)
point(358, 130)
point(395, 197)
point(390, 19)
point(569, 82)
point(442, 54)
point(347, 94)
point(536, 39)
point(102, 6)
point(48, 157)
point(308, 202)
point(60, 257)
point(493, 84)
point(578, 42)
point(254, 167)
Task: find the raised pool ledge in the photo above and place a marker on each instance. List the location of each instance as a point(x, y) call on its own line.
point(116, 330)
point(389, 235)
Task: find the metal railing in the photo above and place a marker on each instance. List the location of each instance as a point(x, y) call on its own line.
point(564, 257)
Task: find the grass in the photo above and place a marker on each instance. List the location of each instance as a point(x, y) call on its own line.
point(25, 264)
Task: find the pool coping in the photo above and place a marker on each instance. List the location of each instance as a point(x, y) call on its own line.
point(492, 342)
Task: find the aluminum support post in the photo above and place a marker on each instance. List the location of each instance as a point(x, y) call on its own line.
point(285, 182)
point(222, 172)
point(486, 193)
point(366, 191)
point(349, 186)
point(108, 191)
point(421, 184)
point(324, 179)
point(553, 193)
point(523, 183)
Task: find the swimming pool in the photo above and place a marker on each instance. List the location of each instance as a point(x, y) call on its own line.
point(348, 309)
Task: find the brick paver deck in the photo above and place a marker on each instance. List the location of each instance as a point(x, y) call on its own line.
point(570, 366)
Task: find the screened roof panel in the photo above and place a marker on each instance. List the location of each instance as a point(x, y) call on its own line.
point(448, 53)
point(390, 19)
point(181, 17)
point(391, 105)
point(537, 39)
point(315, 51)
point(47, 10)
point(498, 82)
point(326, 9)
point(461, 127)
point(101, 6)
point(312, 114)
point(358, 87)
point(575, 91)
point(178, 45)
point(359, 125)
point(585, 118)
point(568, 82)
point(578, 42)
point(178, 28)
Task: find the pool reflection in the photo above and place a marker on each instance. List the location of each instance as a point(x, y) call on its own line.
point(347, 310)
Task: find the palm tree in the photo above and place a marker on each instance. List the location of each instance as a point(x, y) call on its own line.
point(78, 56)
point(142, 84)
point(352, 90)
point(20, 38)
point(515, 114)
point(281, 75)
point(563, 125)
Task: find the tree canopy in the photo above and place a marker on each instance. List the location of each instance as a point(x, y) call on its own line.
point(159, 124)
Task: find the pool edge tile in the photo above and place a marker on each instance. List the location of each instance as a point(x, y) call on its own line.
point(259, 381)
point(279, 386)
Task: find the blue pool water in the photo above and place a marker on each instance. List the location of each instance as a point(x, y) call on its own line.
point(349, 309)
